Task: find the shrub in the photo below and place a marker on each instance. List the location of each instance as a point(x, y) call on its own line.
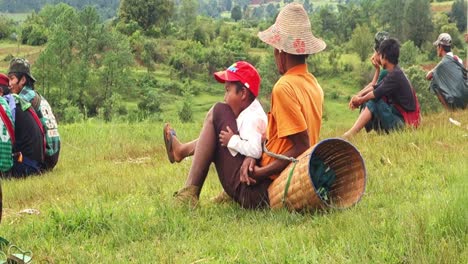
point(186, 112)
point(72, 114)
point(428, 101)
point(409, 54)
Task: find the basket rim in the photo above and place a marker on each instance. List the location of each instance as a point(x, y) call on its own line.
point(361, 160)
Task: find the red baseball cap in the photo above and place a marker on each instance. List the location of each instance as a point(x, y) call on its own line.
point(243, 72)
point(4, 81)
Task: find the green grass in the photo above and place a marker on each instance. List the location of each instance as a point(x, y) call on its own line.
point(110, 201)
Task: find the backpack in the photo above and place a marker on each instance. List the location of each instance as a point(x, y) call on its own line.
point(411, 118)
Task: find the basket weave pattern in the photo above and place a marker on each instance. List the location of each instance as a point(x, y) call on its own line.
point(346, 191)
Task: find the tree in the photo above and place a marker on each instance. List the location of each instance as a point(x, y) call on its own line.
point(349, 16)
point(146, 13)
point(271, 10)
point(188, 16)
point(391, 16)
point(361, 42)
point(458, 14)
point(418, 21)
point(236, 13)
point(308, 6)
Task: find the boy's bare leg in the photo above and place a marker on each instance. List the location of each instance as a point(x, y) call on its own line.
point(183, 150)
point(203, 156)
point(364, 117)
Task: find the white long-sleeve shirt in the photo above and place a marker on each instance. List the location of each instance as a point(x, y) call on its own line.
point(251, 123)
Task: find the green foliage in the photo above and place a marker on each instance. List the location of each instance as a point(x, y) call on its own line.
point(112, 107)
point(150, 98)
point(427, 100)
point(236, 13)
point(106, 8)
point(361, 42)
point(418, 21)
point(408, 54)
point(392, 17)
point(147, 13)
point(72, 114)
point(186, 112)
point(188, 17)
point(458, 14)
point(456, 36)
point(7, 26)
point(269, 74)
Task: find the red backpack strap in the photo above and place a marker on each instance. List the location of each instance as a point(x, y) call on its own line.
point(8, 125)
point(411, 118)
point(38, 122)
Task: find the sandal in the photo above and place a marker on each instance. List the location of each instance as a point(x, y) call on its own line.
point(168, 133)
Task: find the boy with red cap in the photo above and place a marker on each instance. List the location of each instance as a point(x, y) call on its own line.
point(235, 130)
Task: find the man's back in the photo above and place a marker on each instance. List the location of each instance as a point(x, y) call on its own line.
point(296, 106)
point(29, 139)
point(449, 79)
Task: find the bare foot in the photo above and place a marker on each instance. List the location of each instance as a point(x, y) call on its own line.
point(347, 135)
point(176, 149)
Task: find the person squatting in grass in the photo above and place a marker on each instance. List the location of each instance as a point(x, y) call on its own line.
point(375, 60)
point(22, 83)
point(294, 119)
point(449, 78)
point(237, 139)
point(390, 104)
point(25, 133)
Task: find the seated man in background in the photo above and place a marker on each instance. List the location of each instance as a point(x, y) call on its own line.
point(391, 103)
point(449, 77)
point(22, 83)
point(24, 154)
point(375, 60)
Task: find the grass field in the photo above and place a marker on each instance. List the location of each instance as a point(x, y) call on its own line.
point(9, 48)
point(110, 201)
point(18, 17)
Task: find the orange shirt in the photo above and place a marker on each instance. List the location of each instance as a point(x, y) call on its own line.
point(296, 105)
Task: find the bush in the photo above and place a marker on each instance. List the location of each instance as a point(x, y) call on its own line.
point(186, 112)
point(428, 101)
point(408, 54)
point(72, 114)
point(112, 107)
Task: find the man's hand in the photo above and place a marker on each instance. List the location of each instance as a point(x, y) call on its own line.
point(247, 171)
point(375, 61)
point(429, 76)
point(225, 136)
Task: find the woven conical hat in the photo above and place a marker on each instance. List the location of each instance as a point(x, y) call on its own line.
point(292, 32)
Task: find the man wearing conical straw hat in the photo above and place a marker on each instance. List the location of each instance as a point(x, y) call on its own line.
point(294, 120)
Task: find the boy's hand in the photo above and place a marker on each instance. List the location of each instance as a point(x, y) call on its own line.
point(354, 102)
point(225, 136)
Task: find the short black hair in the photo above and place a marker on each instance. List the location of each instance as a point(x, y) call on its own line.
point(29, 81)
point(446, 48)
point(390, 50)
point(240, 86)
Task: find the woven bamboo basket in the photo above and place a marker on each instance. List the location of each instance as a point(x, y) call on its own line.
point(346, 190)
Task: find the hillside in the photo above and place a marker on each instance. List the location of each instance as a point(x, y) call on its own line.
point(110, 201)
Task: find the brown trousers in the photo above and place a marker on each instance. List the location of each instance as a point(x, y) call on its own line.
point(228, 167)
